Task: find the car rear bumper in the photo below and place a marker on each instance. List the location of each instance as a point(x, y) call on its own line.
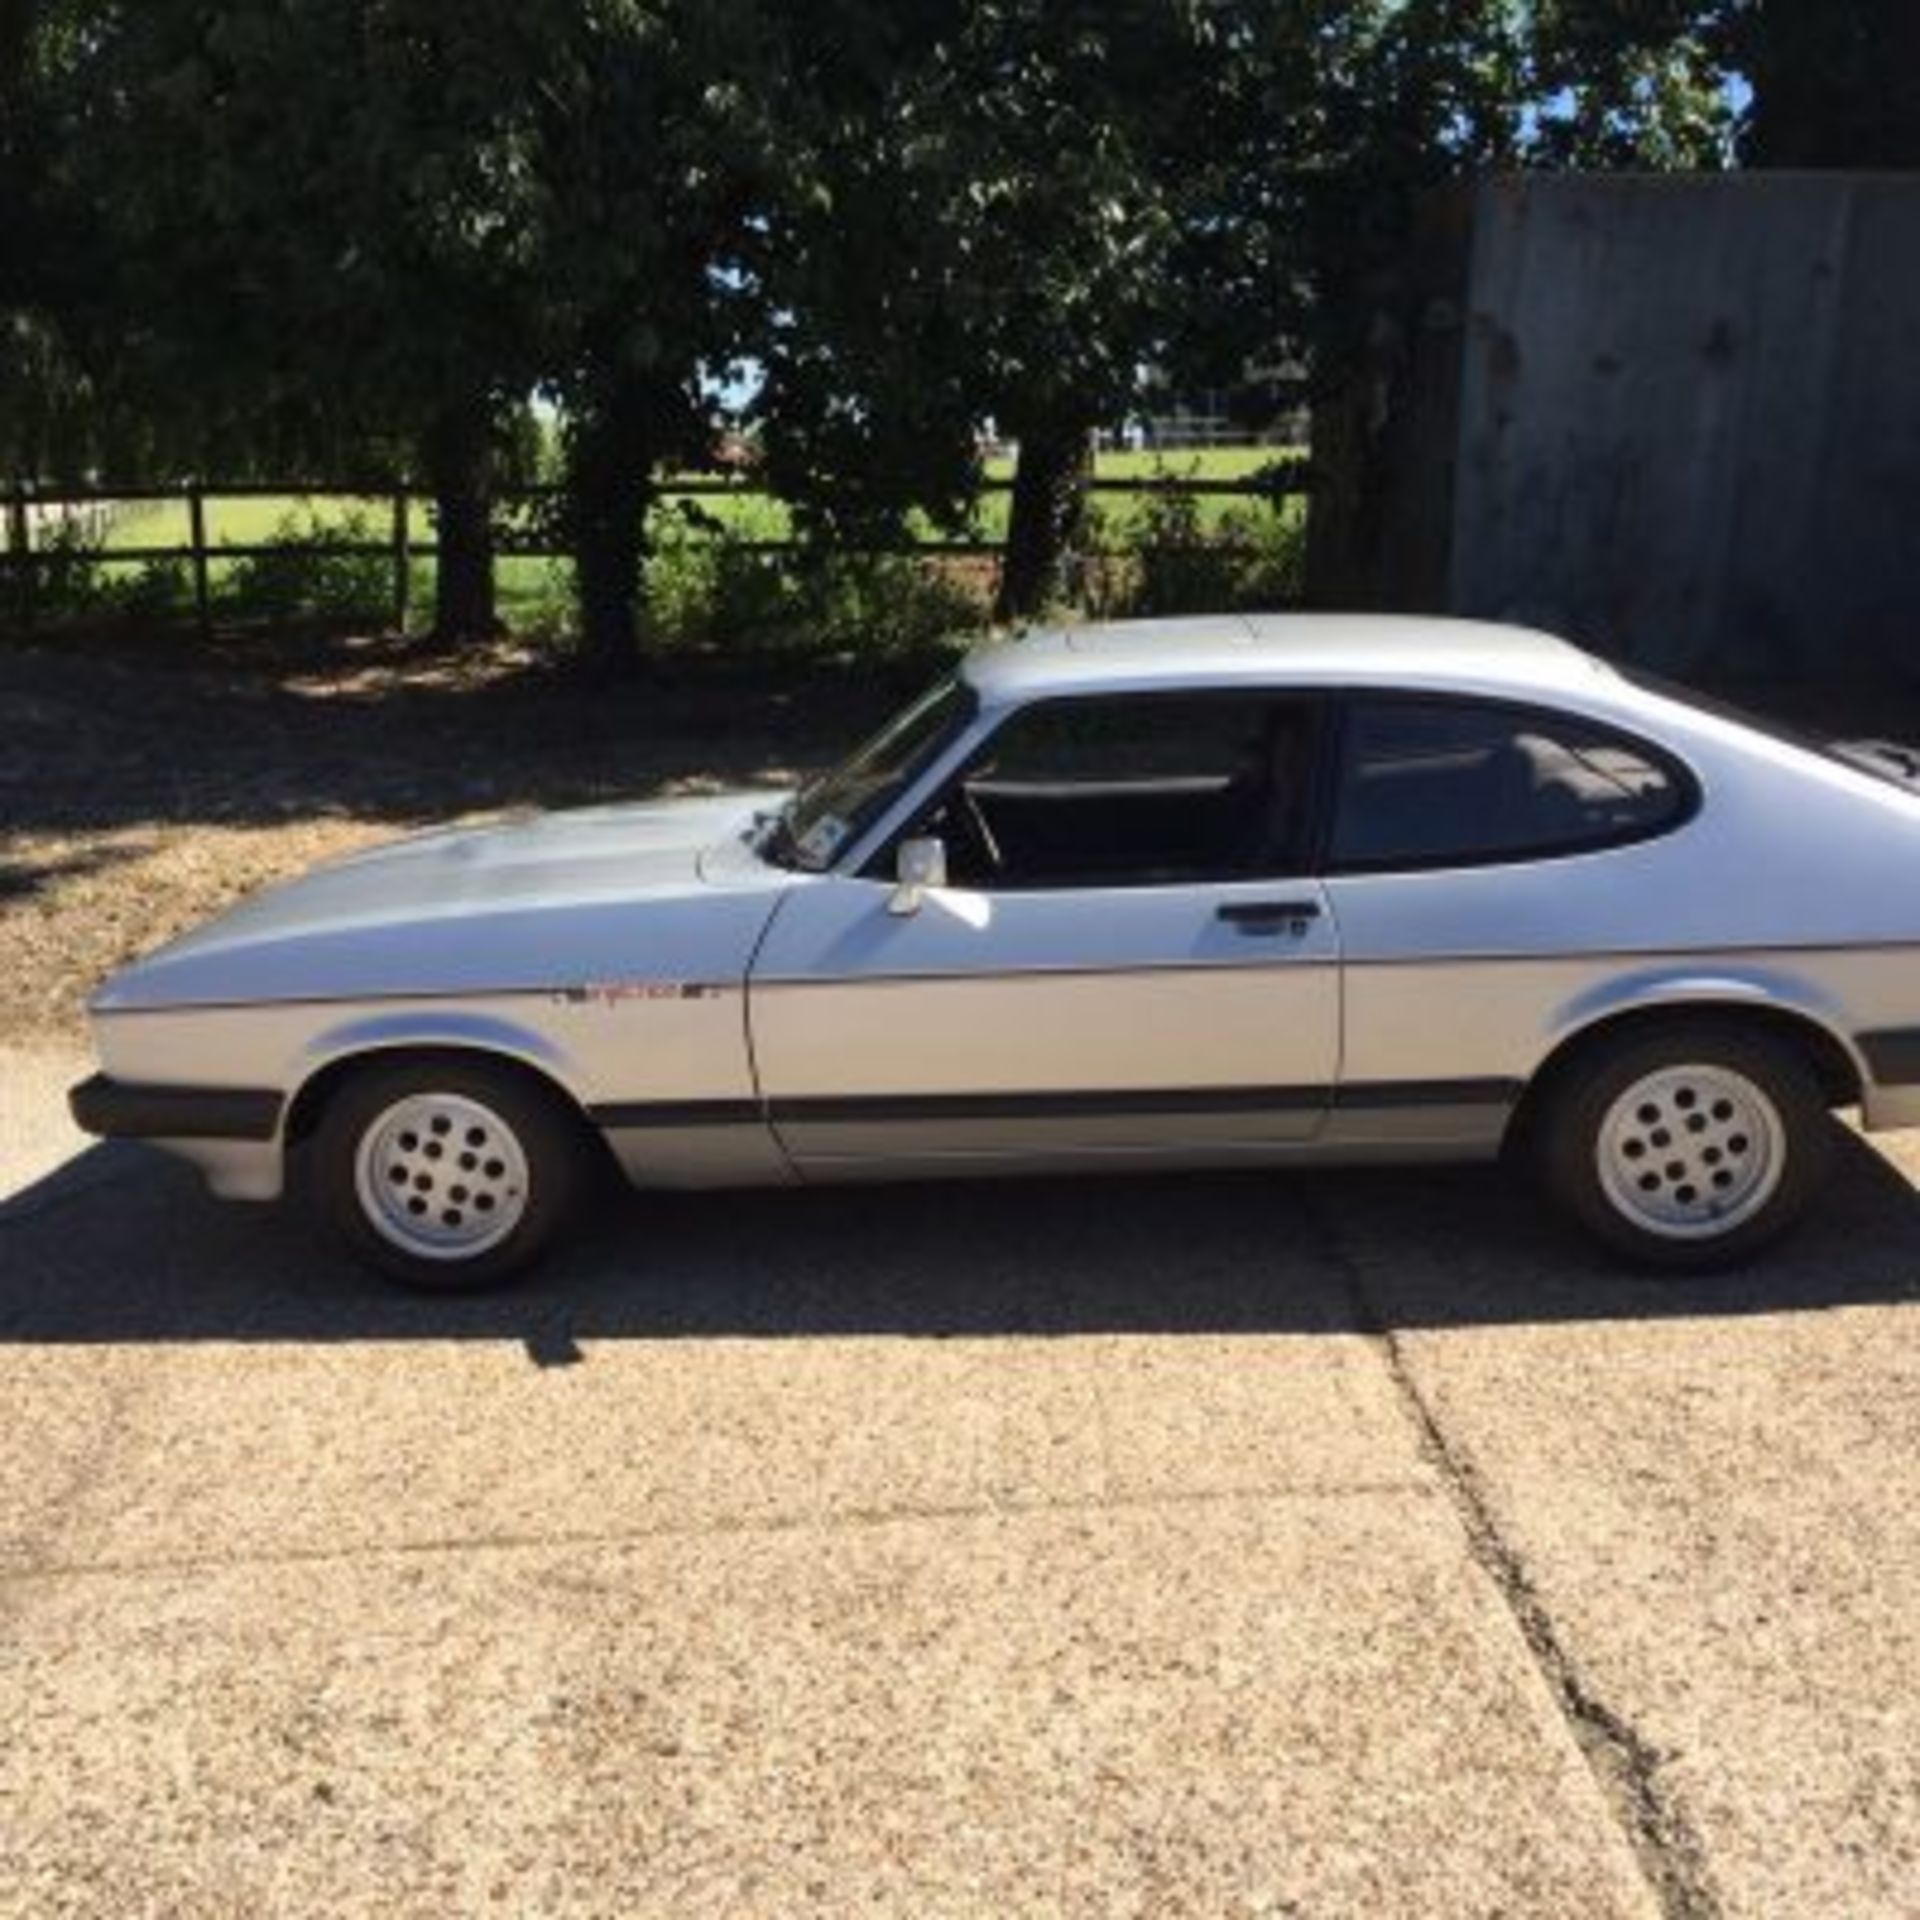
point(122, 1110)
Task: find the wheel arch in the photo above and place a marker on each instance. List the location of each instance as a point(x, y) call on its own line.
point(1797, 1020)
point(339, 1056)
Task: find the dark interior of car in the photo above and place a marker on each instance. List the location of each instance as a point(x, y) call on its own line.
point(1497, 794)
point(1224, 814)
point(1170, 825)
point(1168, 794)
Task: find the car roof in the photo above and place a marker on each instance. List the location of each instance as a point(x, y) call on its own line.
point(1316, 649)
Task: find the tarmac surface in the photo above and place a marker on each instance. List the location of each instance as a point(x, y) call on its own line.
point(1328, 1544)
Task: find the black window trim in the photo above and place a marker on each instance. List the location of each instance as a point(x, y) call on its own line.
point(872, 820)
point(1688, 791)
point(1317, 704)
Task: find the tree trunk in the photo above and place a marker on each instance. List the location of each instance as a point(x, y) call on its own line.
point(614, 456)
point(1049, 502)
point(459, 456)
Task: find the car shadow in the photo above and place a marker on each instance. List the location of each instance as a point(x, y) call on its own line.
point(120, 1245)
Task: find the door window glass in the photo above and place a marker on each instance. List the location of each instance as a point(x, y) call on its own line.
point(1130, 791)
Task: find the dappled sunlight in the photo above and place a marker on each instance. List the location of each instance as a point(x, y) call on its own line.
point(140, 793)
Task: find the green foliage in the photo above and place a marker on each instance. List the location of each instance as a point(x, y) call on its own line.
point(77, 583)
point(720, 592)
point(155, 592)
point(1828, 85)
point(303, 578)
point(312, 202)
point(337, 234)
point(1176, 558)
point(1015, 171)
point(68, 580)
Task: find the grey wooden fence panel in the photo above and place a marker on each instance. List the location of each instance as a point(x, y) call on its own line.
point(1690, 419)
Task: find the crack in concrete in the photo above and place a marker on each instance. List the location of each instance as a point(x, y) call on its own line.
point(1624, 1763)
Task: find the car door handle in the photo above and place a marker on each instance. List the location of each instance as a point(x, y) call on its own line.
point(1267, 916)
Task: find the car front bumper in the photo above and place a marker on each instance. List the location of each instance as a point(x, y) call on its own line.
point(122, 1110)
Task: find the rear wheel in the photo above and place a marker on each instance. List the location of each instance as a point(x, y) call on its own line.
point(447, 1173)
point(1690, 1146)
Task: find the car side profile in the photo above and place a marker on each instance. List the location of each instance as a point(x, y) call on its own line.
point(1231, 891)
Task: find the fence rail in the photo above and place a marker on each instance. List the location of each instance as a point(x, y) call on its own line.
point(29, 510)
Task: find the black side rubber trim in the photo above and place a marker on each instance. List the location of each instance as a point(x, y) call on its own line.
point(118, 1110)
point(1893, 1056)
point(1121, 1103)
point(629, 1114)
point(1053, 1106)
point(1367, 1095)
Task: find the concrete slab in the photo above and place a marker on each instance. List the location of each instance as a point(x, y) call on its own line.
point(790, 1358)
point(1250, 1706)
point(36, 1135)
point(1356, 1544)
point(1711, 1490)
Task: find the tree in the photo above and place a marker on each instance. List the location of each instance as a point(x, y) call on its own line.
point(1066, 123)
point(313, 204)
point(49, 418)
point(991, 244)
point(663, 137)
point(1331, 139)
point(1825, 85)
point(868, 404)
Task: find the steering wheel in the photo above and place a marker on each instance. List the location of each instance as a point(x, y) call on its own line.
point(972, 821)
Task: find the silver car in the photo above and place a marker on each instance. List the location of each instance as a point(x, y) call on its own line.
point(1216, 892)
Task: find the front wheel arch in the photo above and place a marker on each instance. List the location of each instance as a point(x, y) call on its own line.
point(544, 1161)
point(311, 1099)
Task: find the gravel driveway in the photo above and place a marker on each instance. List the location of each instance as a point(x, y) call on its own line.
point(1208, 1546)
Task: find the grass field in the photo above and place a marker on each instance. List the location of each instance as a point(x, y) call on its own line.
point(535, 592)
point(256, 520)
point(1198, 463)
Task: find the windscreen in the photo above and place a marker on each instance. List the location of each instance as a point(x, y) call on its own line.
point(828, 813)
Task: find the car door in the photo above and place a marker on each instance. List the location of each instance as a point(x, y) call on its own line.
point(1126, 958)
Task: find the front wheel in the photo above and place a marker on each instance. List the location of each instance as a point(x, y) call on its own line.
point(446, 1174)
point(1690, 1147)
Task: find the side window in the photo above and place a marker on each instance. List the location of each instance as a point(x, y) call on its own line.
point(1428, 783)
point(1132, 790)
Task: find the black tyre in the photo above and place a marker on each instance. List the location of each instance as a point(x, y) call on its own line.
point(447, 1172)
point(1687, 1146)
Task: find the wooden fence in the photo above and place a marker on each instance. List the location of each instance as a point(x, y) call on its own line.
point(30, 511)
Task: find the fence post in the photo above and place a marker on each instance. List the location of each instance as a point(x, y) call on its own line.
point(197, 534)
point(20, 547)
point(402, 562)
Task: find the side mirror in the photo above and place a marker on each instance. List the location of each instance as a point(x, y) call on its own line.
point(918, 865)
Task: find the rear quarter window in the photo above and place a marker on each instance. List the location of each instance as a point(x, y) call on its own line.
point(1429, 782)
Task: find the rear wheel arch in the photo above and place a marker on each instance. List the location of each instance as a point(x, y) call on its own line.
point(1833, 1062)
point(1686, 1144)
